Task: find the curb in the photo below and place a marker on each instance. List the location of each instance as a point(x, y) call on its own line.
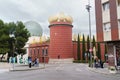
point(92, 69)
point(27, 69)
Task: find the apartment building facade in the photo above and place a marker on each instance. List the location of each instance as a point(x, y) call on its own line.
point(108, 28)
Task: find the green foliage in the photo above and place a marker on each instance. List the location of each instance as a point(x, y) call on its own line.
point(99, 51)
point(21, 36)
point(1, 24)
point(93, 42)
point(7, 43)
point(83, 48)
point(105, 48)
point(112, 68)
point(88, 45)
point(3, 38)
point(78, 48)
point(105, 56)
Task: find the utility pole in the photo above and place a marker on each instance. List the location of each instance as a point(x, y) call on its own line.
point(88, 9)
point(12, 36)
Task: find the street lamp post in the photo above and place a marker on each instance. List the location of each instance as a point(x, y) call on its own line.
point(88, 9)
point(43, 52)
point(44, 57)
point(12, 36)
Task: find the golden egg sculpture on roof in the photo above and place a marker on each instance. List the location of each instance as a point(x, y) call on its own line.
point(61, 17)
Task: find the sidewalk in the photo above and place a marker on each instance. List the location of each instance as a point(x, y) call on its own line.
point(24, 67)
point(100, 70)
point(18, 67)
point(4, 65)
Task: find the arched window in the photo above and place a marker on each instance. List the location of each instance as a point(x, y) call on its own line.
point(42, 52)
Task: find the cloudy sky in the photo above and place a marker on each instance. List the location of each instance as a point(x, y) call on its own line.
point(41, 10)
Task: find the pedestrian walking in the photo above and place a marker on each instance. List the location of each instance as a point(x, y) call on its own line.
point(96, 62)
point(101, 63)
point(29, 61)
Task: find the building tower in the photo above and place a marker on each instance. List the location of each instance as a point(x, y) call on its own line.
point(60, 37)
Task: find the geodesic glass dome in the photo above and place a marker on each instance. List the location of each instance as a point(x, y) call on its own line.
point(34, 28)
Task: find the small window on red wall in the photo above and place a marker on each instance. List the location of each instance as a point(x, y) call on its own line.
point(38, 50)
point(34, 51)
point(46, 52)
point(42, 52)
point(30, 52)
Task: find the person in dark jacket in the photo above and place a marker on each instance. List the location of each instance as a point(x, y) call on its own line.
point(30, 61)
point(101, 63)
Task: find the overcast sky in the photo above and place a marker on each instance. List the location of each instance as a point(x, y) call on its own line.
point(41, 10)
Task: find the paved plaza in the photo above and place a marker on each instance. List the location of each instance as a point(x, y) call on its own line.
point(58, 72)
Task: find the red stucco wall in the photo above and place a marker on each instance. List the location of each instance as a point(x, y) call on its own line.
point(61, 41)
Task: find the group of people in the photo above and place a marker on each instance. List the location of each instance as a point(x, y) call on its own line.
point(33, 63)
point(118, 58)
point(98, 63)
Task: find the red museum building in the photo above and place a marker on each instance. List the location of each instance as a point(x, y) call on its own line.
point(60, 48)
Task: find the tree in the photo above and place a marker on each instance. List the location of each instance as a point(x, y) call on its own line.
point(83, 48)
point(78, 48)
point(21, 37)
point(93, 42)
point(3, 39)
point(105, 56)
point(11, 30)
point(99, 51)
point(88, 45)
